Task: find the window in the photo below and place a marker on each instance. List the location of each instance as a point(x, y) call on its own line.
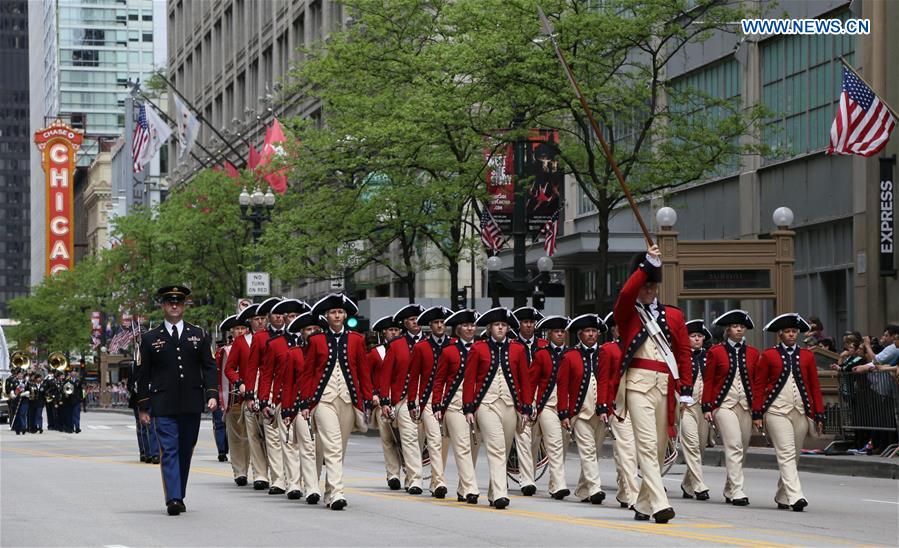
point(148, 36)
point(801, 82)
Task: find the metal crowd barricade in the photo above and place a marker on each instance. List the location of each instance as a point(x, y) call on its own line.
point(870, 402)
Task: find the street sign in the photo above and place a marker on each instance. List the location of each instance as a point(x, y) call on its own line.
point(257, 284)
point(337, 283)
point(243, 303)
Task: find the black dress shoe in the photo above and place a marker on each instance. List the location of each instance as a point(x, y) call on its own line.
point(799, 505)
point(260, 485)
point(471, 499)
point(783, 506)
point(394, 484)
point(143, 458)
point(338, 504)
point(598, 497)
point(223, 457)
point(663, 515)
point(414, 490)
point(240, 481)
point(501, 503)
point(740, 502)
point(685, 495)
point(560, 494)
point(172, 508)
point(703, 495)
point(640, 516)
point(77, 430)
point(529, 490)
point(622, 504)
point(296, 494)
point(440, 492)
point(459, 498)
point(276, 491)
point(181, 506)
point(154, 460)
point(312, 498)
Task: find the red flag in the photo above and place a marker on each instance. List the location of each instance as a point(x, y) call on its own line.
point(216, 168)
point(273, 146)
point(254, 158)
point(231, 171)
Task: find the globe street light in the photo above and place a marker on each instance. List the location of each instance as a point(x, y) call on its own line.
point(544, 264)
point(493, 263)
point(783, 217)
point(257, 209)
point(666, 217)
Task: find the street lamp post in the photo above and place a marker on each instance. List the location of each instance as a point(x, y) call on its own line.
point(257, 209)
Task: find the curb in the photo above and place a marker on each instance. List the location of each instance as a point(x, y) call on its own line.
point(860, 466)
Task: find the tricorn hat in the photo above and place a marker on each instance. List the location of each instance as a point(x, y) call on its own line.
point(527, 313)
point(553, 322)
point(408, 311)
point(498, 314)
point(265, 307)
point(786, 321)
point(228, 323)
point(290, 306)
point(301, 322)
point(734, 316)
point(466, 315)
point(433, 313)
point(698, 326)
point(586, 321)
point(332, 301)
point(384, 323)
point(249, 312)
point(609, 320)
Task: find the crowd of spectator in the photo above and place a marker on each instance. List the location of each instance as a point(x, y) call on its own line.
point(118, 394)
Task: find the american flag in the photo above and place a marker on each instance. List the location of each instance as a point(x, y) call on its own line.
point(122, 340)
point(549, 231)
point(141, 138)
point(863, 122)
point(490, 232)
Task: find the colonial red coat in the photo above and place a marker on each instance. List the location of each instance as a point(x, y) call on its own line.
point(290, 381)
point(545, 373)
point(610, 360)
point(572, 384)
point(719, 376)
point(633, 333)
point(374, 360)
point(422, 371)
point(538, 344)
point(221, 358)
point(478, 367)
point(274, 362)
point(770, 379)
point(394, 379)
point(449, 376)
point(237, 366)
point(254, 361)
point(316, 364)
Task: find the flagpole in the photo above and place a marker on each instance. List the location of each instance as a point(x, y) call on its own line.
point(201, 118)
point(548, 30)
point(859, 76)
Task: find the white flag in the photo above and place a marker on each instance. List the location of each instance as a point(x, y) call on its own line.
point(159, 134)
point(188, 128)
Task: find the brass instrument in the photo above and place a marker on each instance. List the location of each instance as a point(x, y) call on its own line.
point(68, 388)
point(58, 362)
point(21, 360)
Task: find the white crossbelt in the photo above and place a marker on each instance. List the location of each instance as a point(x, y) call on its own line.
point(656, 336)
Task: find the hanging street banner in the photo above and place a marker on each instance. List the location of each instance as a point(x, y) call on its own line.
point(58, 144)
point(887, 218)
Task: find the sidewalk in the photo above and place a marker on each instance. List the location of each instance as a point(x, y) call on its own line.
point(841, 465)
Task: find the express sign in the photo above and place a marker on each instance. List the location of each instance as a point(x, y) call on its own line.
point(58, 144)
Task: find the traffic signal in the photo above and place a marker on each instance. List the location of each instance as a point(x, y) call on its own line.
point(358, 323)
point(460, 298)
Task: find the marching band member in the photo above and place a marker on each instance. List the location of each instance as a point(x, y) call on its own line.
point(525, 442)
point(423, 369)
point(336, 390)
point(497, 393)
point(229, 330)
point(275, 363)
point(727, 397)
point(446, 402)
point(242, 372)
point(303, 441)
point(789, 400)
point(656, 352)
point(546, 364)
point(583, 392)
point(694, 429)
point(387, 330)
point(394, 392)
point(624, 450)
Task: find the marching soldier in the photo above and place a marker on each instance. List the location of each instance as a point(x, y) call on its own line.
point(273, 358)
point(583, 393)
point(248, 360)
point(525, 443)
point(624, 451)
point(387, 330)
point(235, 430)
point(547, 361)
point(790, 403)
point(423, 369)
point(656, 352)
point(727, 397)
point(497, 392)
point(219, 430)
point(52, 399)
point(36, 411)
point(394, 392)
point(176, 376)
point(240, 421)
point(300, 439)
point(446, 402)
point(336, 391)
point(17, 388)
point(694, 429)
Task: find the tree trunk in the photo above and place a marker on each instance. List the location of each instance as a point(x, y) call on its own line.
point(453, 263)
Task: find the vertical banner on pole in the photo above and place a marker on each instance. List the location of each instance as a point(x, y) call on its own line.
point(58, 144)
point(887, 218)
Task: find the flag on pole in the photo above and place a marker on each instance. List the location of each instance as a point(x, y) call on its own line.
point(254, 158)
point(141, 138)
point(490, 231)
point(273, 146)
point(158, 132)
point(549, 231)
point(188, 128)
point(863, 123)
point(120, 341)
point(231, 171)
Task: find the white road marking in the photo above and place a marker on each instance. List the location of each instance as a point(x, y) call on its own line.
point(880, 501)
point(99, 427)
point(132, 427)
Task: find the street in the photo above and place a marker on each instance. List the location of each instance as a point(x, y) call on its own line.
point(91, 490)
